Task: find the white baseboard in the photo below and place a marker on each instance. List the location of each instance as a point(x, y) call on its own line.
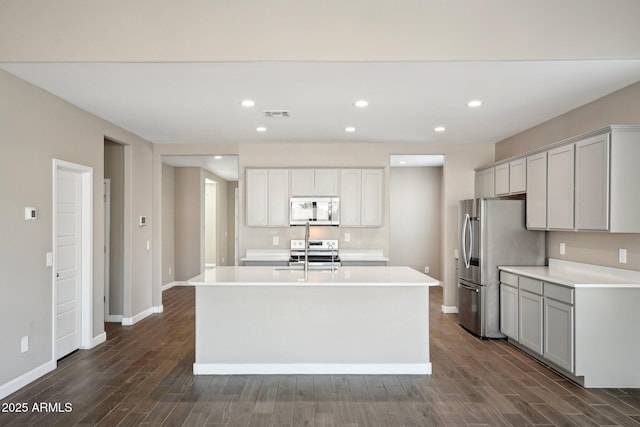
point(96, 341)
point(449, 309)
point(158, 308)
point(113, 318)
point(312, 368)
point(128, 321)
point(172, 284)
point(17, 383)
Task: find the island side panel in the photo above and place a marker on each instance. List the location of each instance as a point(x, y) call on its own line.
point(312, 329)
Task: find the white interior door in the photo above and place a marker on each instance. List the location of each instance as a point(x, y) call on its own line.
point(68, 262)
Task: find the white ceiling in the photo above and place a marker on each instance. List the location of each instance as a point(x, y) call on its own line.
point(200, 102)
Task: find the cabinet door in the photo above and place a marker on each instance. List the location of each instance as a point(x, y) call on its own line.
point(502, 179)
point(509, 311)
point(489, 183)
point(560, 188)
point(558, 333)
point(257, 197)
point(350, 197)
point(302, 182)
point(518, 176)
point(530, 320)
point(372, 204)
point(479, 184)
point(537, 191)
point(592, 183)
point(278, 198)
point(326, 182)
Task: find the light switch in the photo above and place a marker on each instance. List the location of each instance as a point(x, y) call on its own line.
point(347, 237)
point(49, 259)
point(562, 248)
point(276, 240)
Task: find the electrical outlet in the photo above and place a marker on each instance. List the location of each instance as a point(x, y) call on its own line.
point(276, 240)
point(347, 237)
point(426, 270)
point(170, 271)
point(562, 248)
point(24, 344)
point(622, 256)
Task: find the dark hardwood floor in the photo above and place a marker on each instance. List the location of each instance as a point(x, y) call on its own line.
point(142, 375)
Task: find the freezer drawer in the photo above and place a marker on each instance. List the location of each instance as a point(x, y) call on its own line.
point(470, 307)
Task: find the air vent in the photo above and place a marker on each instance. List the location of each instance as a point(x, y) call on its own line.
point(277, 114)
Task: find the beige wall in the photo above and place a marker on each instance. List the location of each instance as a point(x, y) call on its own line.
point(189, 223)
point(168, 224)
point(249, 30)
point(621, 107)
point(416, 218)
point(36, 127)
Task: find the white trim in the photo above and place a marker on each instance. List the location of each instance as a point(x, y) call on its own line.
point(113, 318)
point(107, 247)
point(312, 368)
point(17, 383)
point(86, 322)
point(96, 341)
point(158, 308)
point(176, 283)
point(449, 309)
point(128, 321)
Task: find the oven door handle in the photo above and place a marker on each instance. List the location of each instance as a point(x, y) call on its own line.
point(461, 285)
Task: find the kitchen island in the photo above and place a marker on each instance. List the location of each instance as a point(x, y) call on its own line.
point(275, 320)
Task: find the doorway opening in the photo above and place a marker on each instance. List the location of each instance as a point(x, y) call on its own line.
point(114, 200)
point(415, 192)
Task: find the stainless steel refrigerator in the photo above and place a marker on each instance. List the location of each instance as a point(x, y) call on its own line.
point(492, 233)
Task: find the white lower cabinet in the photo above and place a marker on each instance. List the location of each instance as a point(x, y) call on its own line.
point(559, 328)
point(509, 311)
point(530, 320)
point(539, 316)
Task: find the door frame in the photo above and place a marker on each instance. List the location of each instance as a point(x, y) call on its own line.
point(86, 219)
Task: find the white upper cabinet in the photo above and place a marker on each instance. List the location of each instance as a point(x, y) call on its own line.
point(624, 179)
point(267, 197)
point(560, 180)
point(485, 186)
point(502, 179)
point(537, 191)
point(518, 176)
point(592, 183)
point(361, 197)
point(314, 182)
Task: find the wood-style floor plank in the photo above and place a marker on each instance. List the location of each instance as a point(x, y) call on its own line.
point(142, 376)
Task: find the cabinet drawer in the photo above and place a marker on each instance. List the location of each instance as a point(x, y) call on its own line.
point(509, 279)
point(558, 293)
point(531, 285)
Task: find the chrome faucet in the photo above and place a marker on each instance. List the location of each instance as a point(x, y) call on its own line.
point(306, 247)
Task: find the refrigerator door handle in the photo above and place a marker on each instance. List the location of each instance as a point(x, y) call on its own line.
point(467, 223)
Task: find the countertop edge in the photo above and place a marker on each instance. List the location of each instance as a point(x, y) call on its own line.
point(560, 278)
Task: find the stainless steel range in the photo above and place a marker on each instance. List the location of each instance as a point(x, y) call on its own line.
point(322, 253)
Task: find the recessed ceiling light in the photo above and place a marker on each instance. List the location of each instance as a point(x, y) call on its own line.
point(217, 157)
point(361, 103)
point(248, 103)
point(261, 129)
point(349, 129)
point(439, 128)
point(475, 103)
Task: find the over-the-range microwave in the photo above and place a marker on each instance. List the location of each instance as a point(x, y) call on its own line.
point(314, 210)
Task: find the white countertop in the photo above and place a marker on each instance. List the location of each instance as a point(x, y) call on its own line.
point(343, 276)
point(578, 275)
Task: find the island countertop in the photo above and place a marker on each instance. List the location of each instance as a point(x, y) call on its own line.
point(342, 276)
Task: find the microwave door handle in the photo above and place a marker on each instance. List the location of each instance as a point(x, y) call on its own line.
point(315, 210)
point(330, 211)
